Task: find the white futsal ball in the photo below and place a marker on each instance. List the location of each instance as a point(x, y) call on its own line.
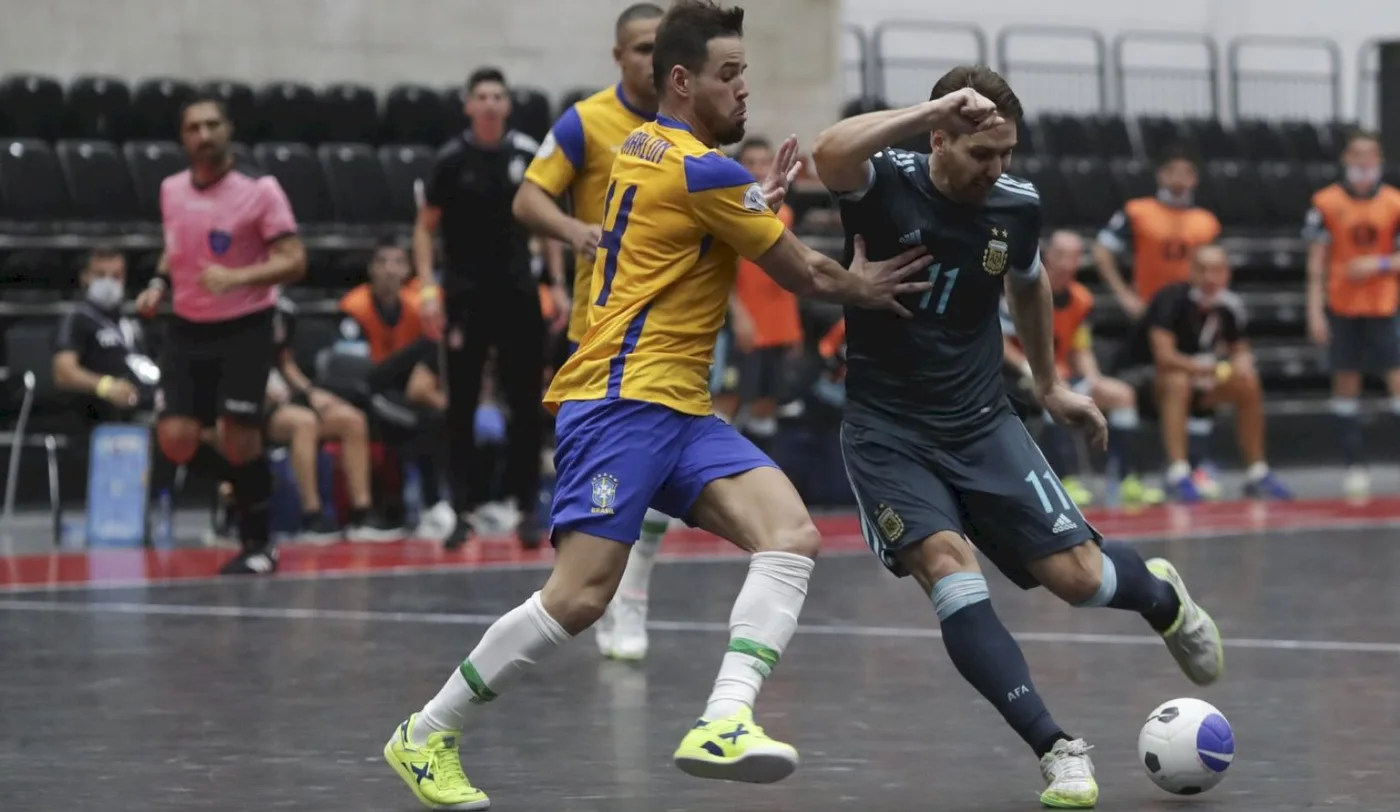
point(1186, 746)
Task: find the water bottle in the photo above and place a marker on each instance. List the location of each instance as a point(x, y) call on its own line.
point(162, 523)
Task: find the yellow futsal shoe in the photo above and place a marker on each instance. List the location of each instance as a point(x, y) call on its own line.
point(1135, 493)
point(734, 749)
point(1077, 491)
point(1194, 639)
point(434, 770)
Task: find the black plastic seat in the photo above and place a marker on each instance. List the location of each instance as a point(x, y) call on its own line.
point(1305, 142)
point(1214, 141)
point(150, 163)
point(404, 166)
point(32, 190)
point(1050, 183)
point(288, 112)
point(530, 112)
point(156, 106)
point(1093, 194)
point(350, 114)
point(1287, 193)
point(1160, 134)
point(295, 167)
point(413, 114)
point(574, 96)
point(31, 106)
point(240, 102)
point(99, 184)
point(1232, 190)
point(1263, 140)
point(355, 181)
point(99, 107)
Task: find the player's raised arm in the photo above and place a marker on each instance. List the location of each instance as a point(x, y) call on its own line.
point(842, 152)
point(874, 285)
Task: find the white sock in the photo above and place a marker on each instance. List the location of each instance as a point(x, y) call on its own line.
point(517, 641)
point(636, 579)
point(760, 626)
point(1257, 471)
point(1178, 471)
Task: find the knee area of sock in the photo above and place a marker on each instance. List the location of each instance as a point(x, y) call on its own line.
point(1084, 577)
point(800, 538)
point(954, 592)
point(1123, 417)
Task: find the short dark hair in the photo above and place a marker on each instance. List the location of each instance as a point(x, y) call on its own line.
point(635, 12)
point(388, 241)
point(685, 33)
point(1178, 152)
point(752, 142)
point(485, 75)
point(984, 80)
point(198, 99)
point(1361, 135)
point(102, 251)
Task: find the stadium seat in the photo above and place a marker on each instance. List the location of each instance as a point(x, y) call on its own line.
point(404, 165)
point(1287, 193)
point(413, 114)
point(244, 158)
point(31, 106)
point(1111, 134)
point(34, 269)
point(156, 108)
point(1159, 134)
point(1054, 195)
point(239, 101)
point(150, 163)
point(297, 170)
point(529, 112)
point(1231, 189)
point(575, 96)
point(355, 180)
point(99, 107)
point(99, 184)
point(862, 105)
point(1263, 141)
point(345, 270)
point(350, 114)
point(1028, 139)
point(1214, 141)
point(1305, 142)
point(1093, 196)
point(288, 112)
point(314, 337)
point(454, 107)
point(1133, 179)
point(1067, 136)
point(32, 191)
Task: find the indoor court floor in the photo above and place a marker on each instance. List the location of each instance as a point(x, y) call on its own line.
point(134, 682)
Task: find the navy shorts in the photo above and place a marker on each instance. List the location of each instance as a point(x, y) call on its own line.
point(616, 458)
point(996, 489)
point(1363, 344)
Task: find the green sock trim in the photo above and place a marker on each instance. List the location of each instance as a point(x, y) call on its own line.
point(475, 682)
point(758, 651)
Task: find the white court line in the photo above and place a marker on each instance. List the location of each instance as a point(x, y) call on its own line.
point(470, 568)
point(683, 627)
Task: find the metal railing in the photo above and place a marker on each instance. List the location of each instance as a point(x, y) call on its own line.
point(1166, 89)
point(917, 72)
point(1368, 82)
point(1048, 81)
point(856, 67)
point(1285, 93)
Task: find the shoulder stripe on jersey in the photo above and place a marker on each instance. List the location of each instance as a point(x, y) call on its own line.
point(568, 134)
point(523, 142)
point(1016, 190)
point(714, 171)
point(1010, 181)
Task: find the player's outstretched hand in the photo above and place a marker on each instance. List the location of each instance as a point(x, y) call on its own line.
point(1069, 408)
point(780, 178)
point(965, 111)
point(885, 279)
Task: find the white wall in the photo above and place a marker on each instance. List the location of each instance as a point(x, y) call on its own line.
point(553, 44)
point(1348, 22)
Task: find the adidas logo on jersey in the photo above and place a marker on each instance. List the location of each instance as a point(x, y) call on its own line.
point(1063, 524)
point(912, 238)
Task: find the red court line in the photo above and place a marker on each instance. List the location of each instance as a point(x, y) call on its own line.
point(842, 533)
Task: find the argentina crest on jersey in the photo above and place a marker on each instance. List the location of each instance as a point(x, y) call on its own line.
point(604, 493)
point(994, 258)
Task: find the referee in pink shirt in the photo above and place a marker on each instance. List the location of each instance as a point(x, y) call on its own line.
point(230, 242)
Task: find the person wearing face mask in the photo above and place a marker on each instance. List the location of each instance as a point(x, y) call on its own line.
point(98, 354)
point(1188, 354)
point(1353, 231)
point(380, 317)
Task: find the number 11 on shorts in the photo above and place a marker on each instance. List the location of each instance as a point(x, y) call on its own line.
point(1044, 497)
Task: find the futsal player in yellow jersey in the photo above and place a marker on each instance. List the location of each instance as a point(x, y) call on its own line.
point(577, 157)
point(634, 420)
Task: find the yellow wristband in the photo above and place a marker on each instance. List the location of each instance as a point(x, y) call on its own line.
point(429, 292)
point(1222, 371)
point(104, 385)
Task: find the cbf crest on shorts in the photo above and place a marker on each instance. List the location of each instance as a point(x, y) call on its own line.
point(220, 241)
point(604, 493)
point(994, 258)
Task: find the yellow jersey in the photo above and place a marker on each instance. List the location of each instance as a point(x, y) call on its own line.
point(677, 217)
point(577, 157)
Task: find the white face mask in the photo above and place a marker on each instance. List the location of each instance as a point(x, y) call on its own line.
point(1182, 201)
point(1363, 176)
point(106, 293)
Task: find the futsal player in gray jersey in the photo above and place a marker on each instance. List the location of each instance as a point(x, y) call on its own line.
point(934, 453)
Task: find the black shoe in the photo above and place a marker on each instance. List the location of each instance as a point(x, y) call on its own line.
point(528, 531)
point(262, 561)
point(370, 526)
point(460, 535)
point(318, 528)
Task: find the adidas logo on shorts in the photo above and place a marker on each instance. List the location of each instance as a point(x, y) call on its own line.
point(1063, 524)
